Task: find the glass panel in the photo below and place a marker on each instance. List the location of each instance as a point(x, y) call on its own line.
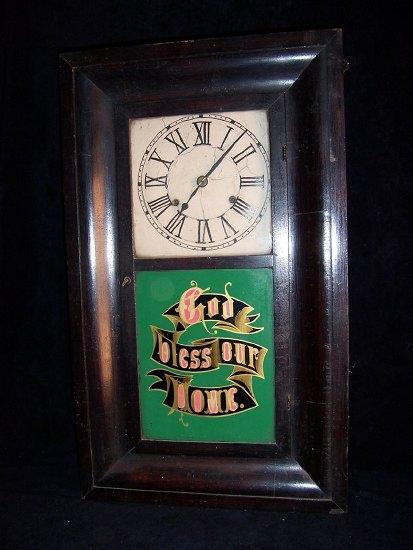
point(201, 185)
point(206, 355)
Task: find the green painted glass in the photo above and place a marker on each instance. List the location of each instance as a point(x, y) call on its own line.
point(245, 415)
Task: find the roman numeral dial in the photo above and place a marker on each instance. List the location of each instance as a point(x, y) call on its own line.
point(203, 183)
point(159, 205)
point(159, 181)
point(250, 150)
point(228, 229)
point(176, 139)
point(252, 181)
point(202, 132)
point(176, 224)
point(156, 158)
point(242, 207)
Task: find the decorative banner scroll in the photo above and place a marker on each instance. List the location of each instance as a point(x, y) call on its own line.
point(180, 395)
point(196, 306)
point(247, 359)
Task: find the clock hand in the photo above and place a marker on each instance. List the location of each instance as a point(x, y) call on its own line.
point(202, 181)
point(185, 204)
point(221, 158)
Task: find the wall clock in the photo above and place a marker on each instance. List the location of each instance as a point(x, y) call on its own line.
point(206, 233)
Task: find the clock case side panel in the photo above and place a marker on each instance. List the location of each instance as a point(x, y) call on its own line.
point(336, 66)
point(318, 271)
point(103, 384)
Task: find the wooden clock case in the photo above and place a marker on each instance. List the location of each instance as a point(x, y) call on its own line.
point(297, 77)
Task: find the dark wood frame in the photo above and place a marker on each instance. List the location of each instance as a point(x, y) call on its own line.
point(297, 77)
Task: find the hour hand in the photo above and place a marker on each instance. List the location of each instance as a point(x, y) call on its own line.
point(201, 181)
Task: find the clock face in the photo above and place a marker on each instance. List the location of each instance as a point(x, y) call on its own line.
point(201, 185)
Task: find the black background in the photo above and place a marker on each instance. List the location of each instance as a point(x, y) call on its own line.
point(39, 487)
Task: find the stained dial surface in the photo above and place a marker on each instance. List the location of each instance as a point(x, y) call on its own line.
point(203, 184)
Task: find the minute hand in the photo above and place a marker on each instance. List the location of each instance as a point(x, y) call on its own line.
point(221, 158)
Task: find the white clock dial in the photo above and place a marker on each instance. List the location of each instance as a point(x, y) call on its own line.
point(202, 182)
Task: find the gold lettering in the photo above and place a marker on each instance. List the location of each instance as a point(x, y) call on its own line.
point(253, 352)
point(183, 355)
point(213, 307)
point(180, 393)
point(228, 309)
point(194, 364)
point(197, 401)
point(226, 351)
point(206, 358)
point(239, 353)
point(231, 403)
point(212, 401)
point(187, 310)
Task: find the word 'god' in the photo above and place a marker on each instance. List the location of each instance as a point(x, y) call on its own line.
point(191, 313)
